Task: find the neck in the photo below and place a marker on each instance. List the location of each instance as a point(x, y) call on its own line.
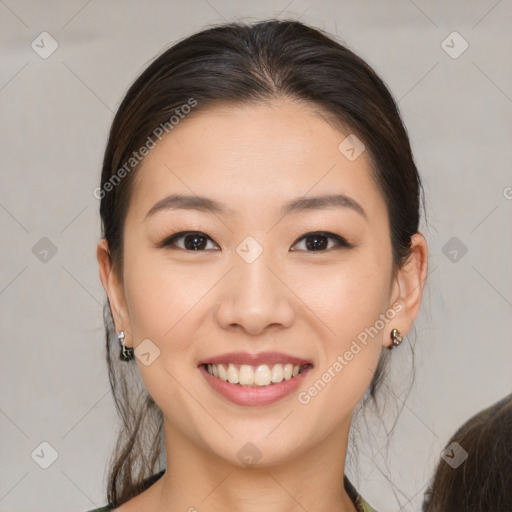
point(196, 479)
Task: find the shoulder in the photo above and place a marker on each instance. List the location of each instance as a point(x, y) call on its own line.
point(135, 502)
point(360, 503)
point(364, 506)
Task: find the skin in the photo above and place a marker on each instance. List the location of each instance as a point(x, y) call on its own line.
point(312, 304)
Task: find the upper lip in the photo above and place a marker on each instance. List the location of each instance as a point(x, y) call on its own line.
point(255, 359)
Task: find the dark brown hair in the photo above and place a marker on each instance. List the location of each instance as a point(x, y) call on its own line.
point(483, 481)
point(242, 64)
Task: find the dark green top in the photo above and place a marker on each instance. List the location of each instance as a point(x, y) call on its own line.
point(359, 502)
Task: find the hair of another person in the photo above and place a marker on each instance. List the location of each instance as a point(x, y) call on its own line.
point(483, 482)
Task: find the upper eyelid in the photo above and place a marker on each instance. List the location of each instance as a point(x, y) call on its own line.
point(340, 240)
point(168, 240)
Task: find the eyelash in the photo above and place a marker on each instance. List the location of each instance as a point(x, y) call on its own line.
point(339, 240)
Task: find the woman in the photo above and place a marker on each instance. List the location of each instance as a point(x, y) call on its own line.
point(260, 208)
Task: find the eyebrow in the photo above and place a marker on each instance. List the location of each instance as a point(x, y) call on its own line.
point(205, 204)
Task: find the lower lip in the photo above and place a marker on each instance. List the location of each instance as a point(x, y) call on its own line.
point(254, 395)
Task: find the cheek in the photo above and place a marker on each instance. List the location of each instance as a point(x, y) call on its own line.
point(346, 298)
point(162, 303)
point(156, 293)
point(165, 300)
point(349, 304)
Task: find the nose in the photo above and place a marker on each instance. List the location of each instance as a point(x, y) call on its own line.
point(253, 299)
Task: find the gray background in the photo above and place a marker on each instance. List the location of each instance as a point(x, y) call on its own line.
point(55, 116)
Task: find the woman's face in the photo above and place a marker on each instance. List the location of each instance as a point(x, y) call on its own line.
point(254, 181)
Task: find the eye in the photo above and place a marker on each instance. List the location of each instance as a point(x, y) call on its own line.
point(319, 241)
point(192, 241)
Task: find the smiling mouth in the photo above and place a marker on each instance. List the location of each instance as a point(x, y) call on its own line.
point(255, 376)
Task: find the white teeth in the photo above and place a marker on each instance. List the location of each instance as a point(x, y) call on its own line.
point(277, 373)
point(222, 372)
point(247, 375)
point(262, 375)
point(287, 371)
point(232, 374)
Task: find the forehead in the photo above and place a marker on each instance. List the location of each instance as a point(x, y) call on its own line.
point(254, 155)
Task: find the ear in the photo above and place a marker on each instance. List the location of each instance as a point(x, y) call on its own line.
point(113, 286)
point(407, 288)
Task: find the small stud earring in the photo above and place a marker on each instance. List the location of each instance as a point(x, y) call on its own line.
point(396, 337)
point(126, 352)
